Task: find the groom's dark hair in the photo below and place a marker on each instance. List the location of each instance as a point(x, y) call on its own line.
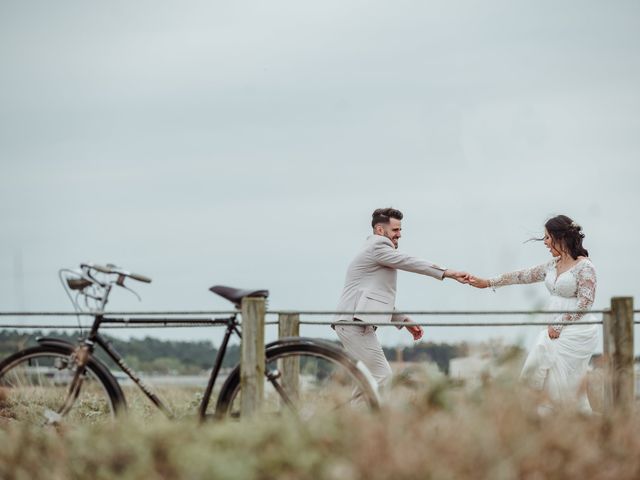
point(382, 215)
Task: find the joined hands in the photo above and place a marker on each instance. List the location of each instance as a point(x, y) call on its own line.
point(478, 282)
point(462, 277)
point(467, 279)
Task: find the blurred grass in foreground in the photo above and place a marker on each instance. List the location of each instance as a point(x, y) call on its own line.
point(431, 427)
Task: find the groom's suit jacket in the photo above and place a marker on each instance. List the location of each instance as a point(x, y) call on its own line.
point(370, 284)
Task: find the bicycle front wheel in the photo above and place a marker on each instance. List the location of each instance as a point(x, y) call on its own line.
point(40, 386)
point(307, 378)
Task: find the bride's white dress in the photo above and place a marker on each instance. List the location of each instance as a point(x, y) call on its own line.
point(559, 365)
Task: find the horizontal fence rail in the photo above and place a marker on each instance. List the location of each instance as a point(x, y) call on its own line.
point(444, 324)
point(93, 314)
point(23, 326)
point(438, 312)
point(302, 322)
point(299, 312)
point(134, 319)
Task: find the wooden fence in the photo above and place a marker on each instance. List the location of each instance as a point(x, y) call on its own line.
point(617, 322)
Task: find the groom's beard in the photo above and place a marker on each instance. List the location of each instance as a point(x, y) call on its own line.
point(394, 241)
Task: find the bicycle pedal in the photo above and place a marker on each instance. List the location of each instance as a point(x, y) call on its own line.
point(53, 418)
point(274, 375)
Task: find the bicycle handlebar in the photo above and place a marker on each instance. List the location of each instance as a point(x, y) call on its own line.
point(99, 268)
point(112, 269)
point(140, 278)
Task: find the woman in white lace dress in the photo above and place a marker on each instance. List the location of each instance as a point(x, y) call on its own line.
point(559, 359)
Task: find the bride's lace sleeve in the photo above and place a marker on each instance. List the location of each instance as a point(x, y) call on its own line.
point(528, 275)
point(586, 293)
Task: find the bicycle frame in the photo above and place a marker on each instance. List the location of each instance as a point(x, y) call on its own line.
point(94, 338)
point(87, 346)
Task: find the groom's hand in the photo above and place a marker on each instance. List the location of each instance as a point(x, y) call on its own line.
point(462, 277)
point(415, 330)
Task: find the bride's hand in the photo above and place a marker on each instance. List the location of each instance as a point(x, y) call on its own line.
point(553, 333)
point(478, 282)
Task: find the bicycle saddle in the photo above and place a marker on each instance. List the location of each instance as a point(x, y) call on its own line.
point(235, 295)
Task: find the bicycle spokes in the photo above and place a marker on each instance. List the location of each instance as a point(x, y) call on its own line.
point(46, 387)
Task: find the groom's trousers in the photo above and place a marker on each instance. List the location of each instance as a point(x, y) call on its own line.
point(362, 343)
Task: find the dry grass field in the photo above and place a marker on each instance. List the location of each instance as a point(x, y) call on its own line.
point(430, 427)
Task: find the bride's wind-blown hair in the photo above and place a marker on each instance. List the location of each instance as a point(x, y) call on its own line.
point(565, 231)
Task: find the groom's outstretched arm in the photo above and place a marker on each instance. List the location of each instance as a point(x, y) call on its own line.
point(385, 254)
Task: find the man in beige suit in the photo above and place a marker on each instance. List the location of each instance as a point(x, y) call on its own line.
point(370, 286)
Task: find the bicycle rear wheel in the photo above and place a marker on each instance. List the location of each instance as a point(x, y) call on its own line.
point(39, 386)
point(307, 378)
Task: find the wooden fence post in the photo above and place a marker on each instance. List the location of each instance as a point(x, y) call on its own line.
point(252, 355)
point(620, 345)
point(289, 326)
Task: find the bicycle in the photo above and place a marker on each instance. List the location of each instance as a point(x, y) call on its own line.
point(58, 380)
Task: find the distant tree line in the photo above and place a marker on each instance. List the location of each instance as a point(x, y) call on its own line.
point(191, 357)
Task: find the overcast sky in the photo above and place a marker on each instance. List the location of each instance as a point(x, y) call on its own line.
point(247, 143)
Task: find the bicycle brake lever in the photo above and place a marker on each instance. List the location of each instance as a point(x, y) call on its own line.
point(130, 289)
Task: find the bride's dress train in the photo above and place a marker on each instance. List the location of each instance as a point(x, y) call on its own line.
point(559, 366)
